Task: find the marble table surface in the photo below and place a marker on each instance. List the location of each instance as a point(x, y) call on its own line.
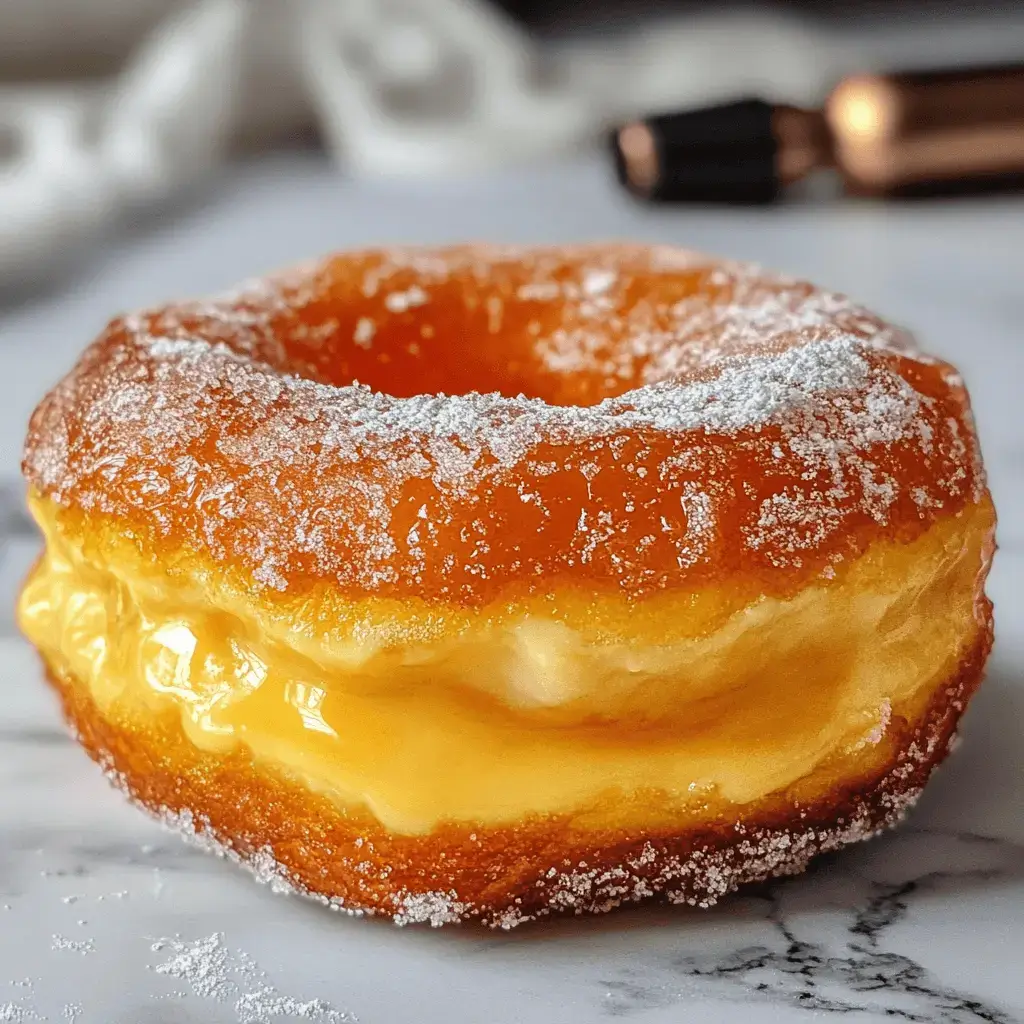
point(107, 919)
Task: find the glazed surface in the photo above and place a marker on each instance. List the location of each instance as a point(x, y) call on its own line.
point(457, 424)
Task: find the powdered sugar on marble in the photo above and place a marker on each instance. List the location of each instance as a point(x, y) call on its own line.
point(82, 946)
point(216, 973)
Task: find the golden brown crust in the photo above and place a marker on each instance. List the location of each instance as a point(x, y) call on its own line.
point(683, 422)
point(296, 840)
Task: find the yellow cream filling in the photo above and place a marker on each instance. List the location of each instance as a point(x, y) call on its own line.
point(527, 716)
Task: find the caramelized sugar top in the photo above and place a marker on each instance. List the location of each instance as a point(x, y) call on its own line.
point(454, 423)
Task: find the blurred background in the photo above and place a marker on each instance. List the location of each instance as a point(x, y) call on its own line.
point(111, 111)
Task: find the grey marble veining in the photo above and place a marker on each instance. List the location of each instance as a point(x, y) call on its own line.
point(840, 963)
point(105, 918)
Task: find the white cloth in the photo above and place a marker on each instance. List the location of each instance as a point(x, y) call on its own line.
point(396, 86)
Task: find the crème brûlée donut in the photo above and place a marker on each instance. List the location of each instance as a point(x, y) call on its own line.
point(481, 583)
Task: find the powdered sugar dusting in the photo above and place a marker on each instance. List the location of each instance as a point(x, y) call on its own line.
point(400, 302)
point(364, 332)
point(16, 1013)
point(433, 908)
point(203, 964)
point(261, 863)
point(216, 973)
point(878, 730)
point(82, 946)
point(742, 413)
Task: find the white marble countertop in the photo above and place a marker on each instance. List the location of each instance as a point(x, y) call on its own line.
point(106, 919)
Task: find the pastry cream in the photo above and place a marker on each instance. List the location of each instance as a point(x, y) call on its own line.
point(492, 723)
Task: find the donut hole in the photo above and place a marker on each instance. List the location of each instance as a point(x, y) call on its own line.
point(454, 350)
point(571, 332)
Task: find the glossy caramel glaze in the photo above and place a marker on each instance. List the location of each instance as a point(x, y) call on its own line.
point(685, 421)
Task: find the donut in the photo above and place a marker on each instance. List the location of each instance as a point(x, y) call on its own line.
point(484, 584)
